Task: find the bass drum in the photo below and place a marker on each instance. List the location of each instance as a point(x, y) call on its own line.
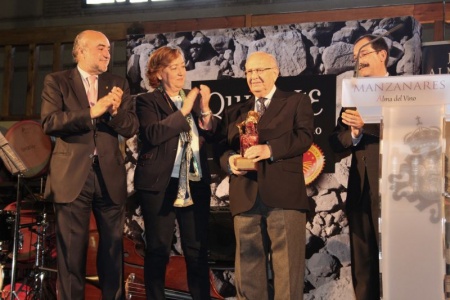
point(23, 291)
point(32, 146)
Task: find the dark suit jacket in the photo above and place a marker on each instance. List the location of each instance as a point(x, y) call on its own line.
point(287, 125)
point(65, 114)
point(159, 130)
point(365, 160)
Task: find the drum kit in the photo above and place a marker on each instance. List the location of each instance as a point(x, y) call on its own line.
point(27, 247)
point(27, 232)
point(35, 251)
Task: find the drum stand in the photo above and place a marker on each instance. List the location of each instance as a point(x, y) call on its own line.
point(17, 167)
point(16, 239)
point(11, 159)
point(40, 272)
point(37, 283)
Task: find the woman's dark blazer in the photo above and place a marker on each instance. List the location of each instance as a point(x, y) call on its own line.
point(159, 130)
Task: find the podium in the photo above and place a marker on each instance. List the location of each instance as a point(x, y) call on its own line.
point(412, 111)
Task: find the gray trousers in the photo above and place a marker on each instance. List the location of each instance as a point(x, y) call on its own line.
point(270, 239)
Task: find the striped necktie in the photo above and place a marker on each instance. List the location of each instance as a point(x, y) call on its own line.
point(261, 109)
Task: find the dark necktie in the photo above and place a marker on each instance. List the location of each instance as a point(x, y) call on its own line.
point(261, 106)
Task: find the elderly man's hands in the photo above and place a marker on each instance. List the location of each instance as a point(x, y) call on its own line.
point(232, 164)
point(258, 152)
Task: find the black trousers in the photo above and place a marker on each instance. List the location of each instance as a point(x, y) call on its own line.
point(159, 220)
point(72, 237)
point(363, 215)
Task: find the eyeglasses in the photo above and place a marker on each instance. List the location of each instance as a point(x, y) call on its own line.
point(256, 71)
point(364, 53)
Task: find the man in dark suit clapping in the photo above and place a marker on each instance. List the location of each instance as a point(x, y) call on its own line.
point(86, 109)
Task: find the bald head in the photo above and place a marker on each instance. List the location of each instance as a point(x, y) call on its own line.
point(267, 58)
point(91, 51)
point(262, 71)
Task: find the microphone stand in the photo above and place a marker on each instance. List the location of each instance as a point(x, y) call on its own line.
point(356, 69)
point(16, 239)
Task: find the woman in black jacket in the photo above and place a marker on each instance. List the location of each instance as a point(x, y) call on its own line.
point(172, 176)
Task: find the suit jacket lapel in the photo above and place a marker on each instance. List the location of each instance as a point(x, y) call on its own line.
point(245, 108)
point(78, 88)
point(103, 87)
point(165, 106)
point(276, 104)
point(372, 129)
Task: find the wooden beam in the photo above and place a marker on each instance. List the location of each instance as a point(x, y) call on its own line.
point(57, 57)
point(111, 61)
point(33, 59)
point(438, 31)
point(7, 80)
point(248, 21)
point(333, 15)
point(51, 35)
point(428, 13)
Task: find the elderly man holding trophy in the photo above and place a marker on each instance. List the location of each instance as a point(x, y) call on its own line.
point(262, 144)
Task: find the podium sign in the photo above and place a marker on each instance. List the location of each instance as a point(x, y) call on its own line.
point(411, 110)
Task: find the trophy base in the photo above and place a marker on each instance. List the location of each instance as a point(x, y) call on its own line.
point(245, 164)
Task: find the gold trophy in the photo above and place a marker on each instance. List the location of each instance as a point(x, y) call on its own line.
point(248, 136)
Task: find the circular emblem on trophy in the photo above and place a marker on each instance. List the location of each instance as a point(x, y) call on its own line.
point(313, 163)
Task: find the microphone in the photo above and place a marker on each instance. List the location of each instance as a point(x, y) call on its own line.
point(356, 70)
